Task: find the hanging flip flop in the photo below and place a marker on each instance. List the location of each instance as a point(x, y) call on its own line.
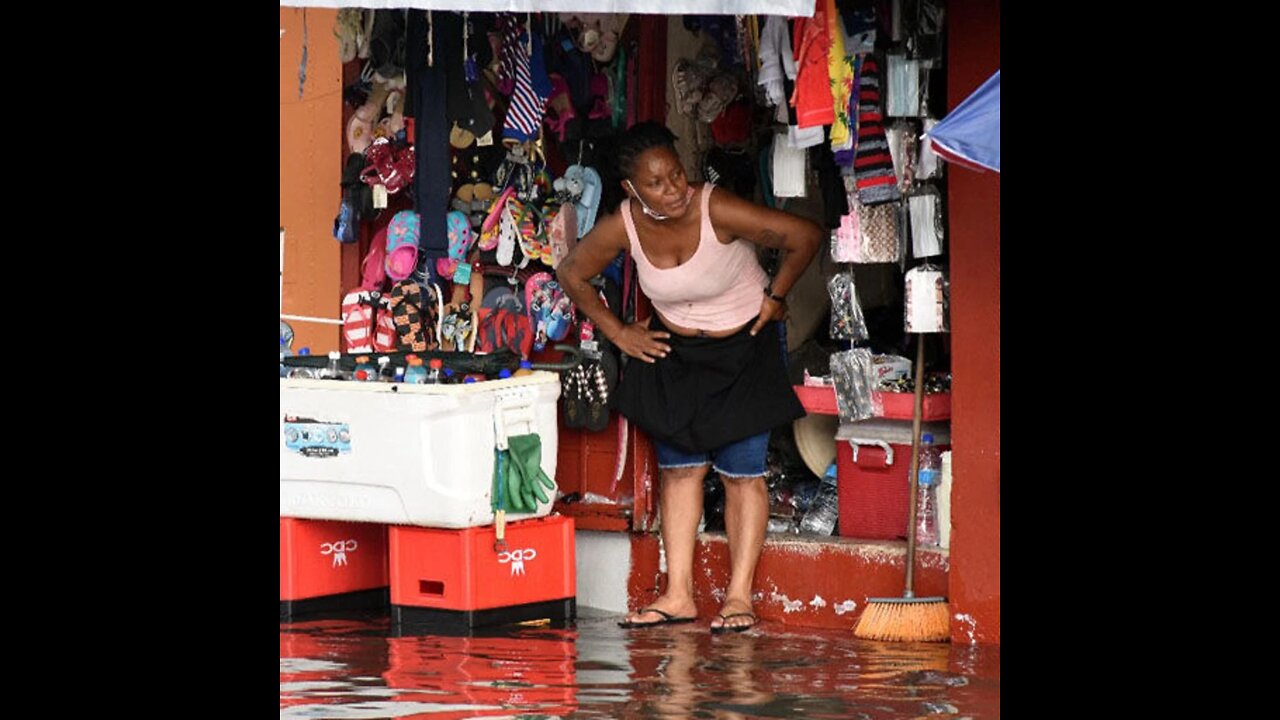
point(562, 313)
point(464, 197)
point(509, 231)
point(589, 202)
point(538, 305)
point(574, 409)
point(602, 376)
point(458, 328)
point(414, 314)
point(489, 229)
point(532, 235)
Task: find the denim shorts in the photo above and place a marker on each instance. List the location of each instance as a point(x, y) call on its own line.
point(740, 458)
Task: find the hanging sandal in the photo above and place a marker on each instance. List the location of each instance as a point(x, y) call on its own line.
point(348, 28)
point(402, 244)
point(600, 377)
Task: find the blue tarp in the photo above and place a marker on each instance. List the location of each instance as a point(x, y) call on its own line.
point(970, 134)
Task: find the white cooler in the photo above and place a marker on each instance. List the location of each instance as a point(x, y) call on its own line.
point(406, 454)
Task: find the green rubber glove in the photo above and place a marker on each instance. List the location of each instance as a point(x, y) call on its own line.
point(515, 487)
point(526, 459)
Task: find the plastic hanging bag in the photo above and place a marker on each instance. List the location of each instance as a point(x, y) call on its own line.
point(926, 223)
point(846, 239)
point(928, 299)
point(846, 313)
point(854, 374)
point(928, 167)
point(903, 98)
point(878, 226)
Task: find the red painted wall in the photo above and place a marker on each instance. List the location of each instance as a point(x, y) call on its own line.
point(800, 582)
point(973, 203)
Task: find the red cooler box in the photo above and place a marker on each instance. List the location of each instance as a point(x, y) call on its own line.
point(872, 484)
point(448, 579)
point(331, 565)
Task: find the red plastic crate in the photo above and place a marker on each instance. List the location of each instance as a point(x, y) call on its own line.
point(461, 571)
point(873, 491)
point(325, 561)
point(897, 406)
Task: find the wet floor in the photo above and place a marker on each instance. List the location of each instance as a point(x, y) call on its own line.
point(361, 667)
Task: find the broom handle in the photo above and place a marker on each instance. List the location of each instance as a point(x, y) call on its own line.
point(912, 480)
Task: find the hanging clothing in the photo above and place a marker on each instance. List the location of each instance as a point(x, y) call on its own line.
point(808, 137)
point(872, 163)
point(812, 97)
point(776, 61)
point(509, 30)
point(529, 97)
point(840, 70)
point(708, 392)
point(432, 183)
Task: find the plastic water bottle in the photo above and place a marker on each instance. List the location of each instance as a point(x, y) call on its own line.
point(365, 371)
point(433, 371)
point(285, 351)
point(825, 511)
point(385, 373)
point(929, 474)
point(415, 374)
point(333, 371)
point(303, 372)
point(526, 368)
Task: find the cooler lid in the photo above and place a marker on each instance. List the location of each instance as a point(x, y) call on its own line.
point(894, 432)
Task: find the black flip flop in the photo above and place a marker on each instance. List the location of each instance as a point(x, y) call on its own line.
point(734, 628)
point(667, 619)
point(603, 379)
point(574, 414)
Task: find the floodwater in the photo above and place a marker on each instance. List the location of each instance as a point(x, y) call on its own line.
point(361, 667)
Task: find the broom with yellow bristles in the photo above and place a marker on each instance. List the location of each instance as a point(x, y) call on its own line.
point(909, 618)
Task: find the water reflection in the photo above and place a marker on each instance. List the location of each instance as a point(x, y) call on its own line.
point(364, 668)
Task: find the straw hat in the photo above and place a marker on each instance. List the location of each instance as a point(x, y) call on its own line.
point(815, 439)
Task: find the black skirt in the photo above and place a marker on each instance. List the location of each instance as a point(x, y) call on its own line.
point(709, 392)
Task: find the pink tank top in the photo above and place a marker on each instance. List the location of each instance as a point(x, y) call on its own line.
point(719, 288)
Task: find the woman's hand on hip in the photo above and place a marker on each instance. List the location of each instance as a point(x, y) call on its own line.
point(641, 343)
point(770, 310)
